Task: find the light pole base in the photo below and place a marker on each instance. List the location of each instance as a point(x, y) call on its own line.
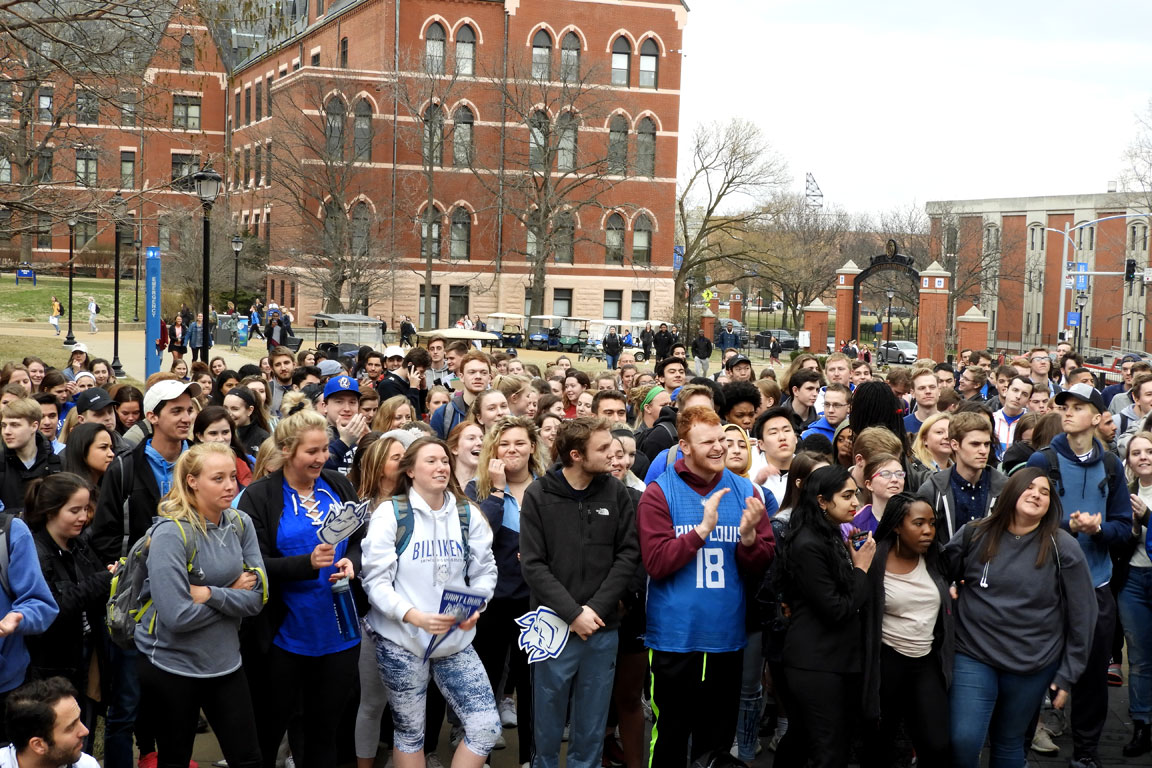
point(117, 369)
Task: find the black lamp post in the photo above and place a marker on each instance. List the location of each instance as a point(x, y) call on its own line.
point(118, 207)
point(208, 184)
point(237, 246)
point(1081, 302)
point(888, 340)
point(136, 274)
point(690, 284)
point(70, 339)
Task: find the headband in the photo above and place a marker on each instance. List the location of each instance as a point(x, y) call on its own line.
point(648, 398)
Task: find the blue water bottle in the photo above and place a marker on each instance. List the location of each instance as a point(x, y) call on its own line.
point(347, 622)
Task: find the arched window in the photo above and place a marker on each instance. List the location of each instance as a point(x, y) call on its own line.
point(649, 61)
point(187, 52)
point(991, 239)
point(361, 223)
point(465, 51)
point(563, 237)
point(334, 127)
point(642, 240)
point(570, 58)
point(646, 147)
point(618, 145)
point(462, 125)
point(430, 234)
point(621, 61)
point(434, 42)
point(542, 55)
point(362, 132)
point(614, 239)
point(538, 128)
point(460, 246)
point(333, 228)
point(434, 135)
point(567, 127)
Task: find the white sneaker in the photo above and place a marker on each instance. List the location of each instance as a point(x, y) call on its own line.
point(1042, 743)
point(500, 743)
point(507, 709)
point(432, 761)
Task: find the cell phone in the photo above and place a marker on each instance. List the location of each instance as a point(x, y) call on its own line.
point(858, 539)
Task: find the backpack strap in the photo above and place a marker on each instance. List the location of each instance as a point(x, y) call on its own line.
point(405, 522)
point(1053, 468)
point(5, 551)
point(124, 511)
point(464, 512)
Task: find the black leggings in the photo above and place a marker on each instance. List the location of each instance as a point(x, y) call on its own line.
point(496, 634)
point(179, 699)
point(822, 712)
point(912, 690)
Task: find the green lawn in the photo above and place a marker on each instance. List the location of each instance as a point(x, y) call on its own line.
point(25, 303)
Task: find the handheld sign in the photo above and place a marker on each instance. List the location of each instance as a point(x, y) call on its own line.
point(342, 522)
point(543, 634)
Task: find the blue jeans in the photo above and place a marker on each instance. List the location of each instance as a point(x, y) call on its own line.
point(121, 718)
point(583, 672)
point(988, 701)
point(1135, 603)
point(610, 361)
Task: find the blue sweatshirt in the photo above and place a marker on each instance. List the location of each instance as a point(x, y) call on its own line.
point(29, 597)
point(820, 427)
point(1083, 487)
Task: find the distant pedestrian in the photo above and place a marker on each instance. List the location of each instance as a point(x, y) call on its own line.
point(93, 310)
point(57, 312)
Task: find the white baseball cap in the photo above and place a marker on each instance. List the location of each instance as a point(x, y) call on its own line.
point(393, 351)
point(170, 389)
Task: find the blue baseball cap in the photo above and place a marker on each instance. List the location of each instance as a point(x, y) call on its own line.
point(339, 384)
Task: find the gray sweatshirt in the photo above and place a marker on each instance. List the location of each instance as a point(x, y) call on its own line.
point(199, 639)
point(1010, 616)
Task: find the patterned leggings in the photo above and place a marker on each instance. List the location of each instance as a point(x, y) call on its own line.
point(462, 680)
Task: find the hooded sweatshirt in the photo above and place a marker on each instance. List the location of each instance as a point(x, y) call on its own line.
point(396, 585)
point(1083, 487)
point(820, 427)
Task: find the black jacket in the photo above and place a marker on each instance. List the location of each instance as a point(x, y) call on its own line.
point(263, 500)
point(662, 436)
point(17, 476)
point(646, 337)
point(129, 478)
point(578, 548)
point(251, 436)
point(80, 584)
point(505, 546)
point(701, 348)
point(663, 342)
point(613, 344)
point(392, 385)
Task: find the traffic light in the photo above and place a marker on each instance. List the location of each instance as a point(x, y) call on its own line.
point(1129, 270)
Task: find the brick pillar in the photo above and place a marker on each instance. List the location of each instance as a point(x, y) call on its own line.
point(736, 307)
point(972, 330)
point(932, 337)
point(845, 309)
point(816, 323)
point(714, 305)
point(707, 324)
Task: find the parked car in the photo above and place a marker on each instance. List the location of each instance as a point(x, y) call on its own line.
point(897, 352)
point(786, 339)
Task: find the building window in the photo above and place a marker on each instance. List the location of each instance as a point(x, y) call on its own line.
point(642, 241)
point(361, 219)
point(5, 226)
point(186, 112)
point(538, 141)
point(268, 163)
point(259, 97)
point(570, 58)
point(247, 105)
point(562, 302)
point(44, 103)
point(530, 244)
point(457, 301)
point(433, 306)
point(85, 229)
point(183, 166)
point(462, 134)
point(87, 108)
point(646, 147)
point(238, 107)
point(430, 234)
point(434, 49)
point(315, 60)
point(5, 101)
point(542, 55)
point(614, 241)
point(258, 163)
point(640, 300)
point(334, 128)
point(267, 228)
point(127, 108)
point(362, 132)
point(567, 127)
point(564, 238)
point(466, 51)
point(236, 169)
point(86, 167)
point(1035, 238)
point(618, 145)
point(268, 100)
point(343, 53)
point(128, 170)
point(613, 304)
point(621, 61)
point(460, 246)
point(433, 144)
point(333, 228)
point(44, 164)
point(5, 171)
point(43, 231)
point(1138, 237)
point(187, 53)
point(247, 167)
point(649, 61)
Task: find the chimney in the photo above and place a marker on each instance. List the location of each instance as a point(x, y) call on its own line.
point(1111, 187)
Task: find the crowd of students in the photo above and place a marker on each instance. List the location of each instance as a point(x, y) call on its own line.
point(949, 556)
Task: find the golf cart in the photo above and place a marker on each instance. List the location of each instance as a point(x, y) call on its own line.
point(573, 333)
point(544, 332)
point(509, 327)
point(347, 331)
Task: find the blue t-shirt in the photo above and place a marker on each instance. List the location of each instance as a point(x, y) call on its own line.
point(912, 424)
point(309, 626)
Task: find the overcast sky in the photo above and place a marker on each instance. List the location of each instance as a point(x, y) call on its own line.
point(897, 102)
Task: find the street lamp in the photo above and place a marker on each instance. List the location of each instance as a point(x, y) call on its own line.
point(207, 183)
point(118, 208)
point(690, 284)
point(1081, 302)
point(888, 340)
point(70, 339)
point(136, 275)
point(237, 246)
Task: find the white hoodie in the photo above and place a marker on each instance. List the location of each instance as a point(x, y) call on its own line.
point(395, 588)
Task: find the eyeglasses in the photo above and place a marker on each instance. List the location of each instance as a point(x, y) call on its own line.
point(1038, 359)
point(829, 406)
point(889, 474)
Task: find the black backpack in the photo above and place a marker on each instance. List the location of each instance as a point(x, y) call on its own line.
point(1112, 468)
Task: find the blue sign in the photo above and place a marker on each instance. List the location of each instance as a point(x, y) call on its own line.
point(1081, 280)
point(26, 274)
point(241, 331)
point(1073, 319)
point(677, 257)
point(153, 319)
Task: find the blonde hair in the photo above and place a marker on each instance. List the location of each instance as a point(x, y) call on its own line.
point(294, 401)
point(70, 422)
point(269, 459)
point(290, 428)
point(180, 503)
point(25, 408)
point(537, 462)
point(511, 384)
point(919, 446)
point(382, 421)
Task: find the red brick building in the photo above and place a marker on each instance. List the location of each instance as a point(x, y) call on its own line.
point(1019, 243)
point(330, 124)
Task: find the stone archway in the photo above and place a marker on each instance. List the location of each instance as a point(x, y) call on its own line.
point(890, 260)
